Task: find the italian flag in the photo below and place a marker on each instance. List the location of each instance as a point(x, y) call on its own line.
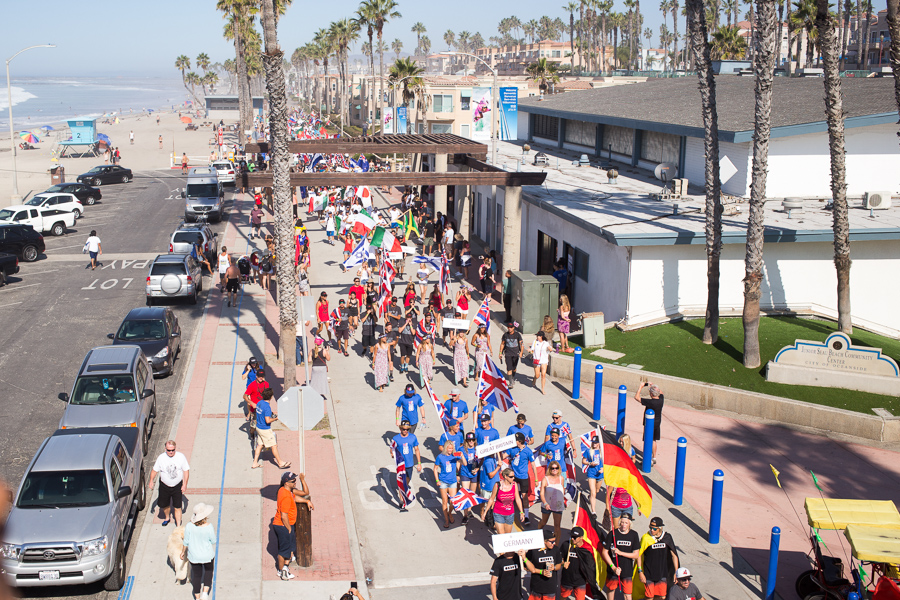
point(386, 240)
point(363, 224)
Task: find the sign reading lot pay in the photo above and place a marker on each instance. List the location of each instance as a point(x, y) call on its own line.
point(522, 540)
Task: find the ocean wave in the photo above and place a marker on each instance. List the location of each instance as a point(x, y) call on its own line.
point(19, 95)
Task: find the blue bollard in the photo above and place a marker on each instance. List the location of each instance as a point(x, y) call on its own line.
point(598, 391)
point(715, 510)
point(576, 376)
point(620, 414)
point(773, 563)
point(680, 458)
point(649, 420)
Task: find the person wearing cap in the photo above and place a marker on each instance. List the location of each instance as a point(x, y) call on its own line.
point(620, 549)
point(446, 468)
point(521, 427)
point(565, 430)
point(253, 393)
point(544, 564)
point(341, 320)
point(657, 551)
point(684, 589)
point(482, 408)
point(200, 549)
point(454, 435)
point(410, 408)
point(456, 408)
point(510, 352)
point(519, 457)
point(250, 369)
point(408, 445)
point(554, 448)
point(407, 335)
point(395, 313)
point(286, 518)
point(592, 459)
point(265, 437)
point(469, 469)
point(506, 577)
point(447, 312)
point(655, 403)
point(579, 569)
point(486, 433)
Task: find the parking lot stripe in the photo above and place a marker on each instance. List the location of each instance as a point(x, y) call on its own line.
point(11, 304)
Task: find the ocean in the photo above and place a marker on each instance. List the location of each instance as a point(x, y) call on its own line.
point(41, 101)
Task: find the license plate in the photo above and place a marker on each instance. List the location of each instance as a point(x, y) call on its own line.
point(48, 575)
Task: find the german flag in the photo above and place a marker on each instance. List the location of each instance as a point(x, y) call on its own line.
point(620, 471)
point(593, 538)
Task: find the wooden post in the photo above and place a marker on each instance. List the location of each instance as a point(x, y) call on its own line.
point(303, 533)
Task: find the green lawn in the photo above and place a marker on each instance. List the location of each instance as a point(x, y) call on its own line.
point(676, 349)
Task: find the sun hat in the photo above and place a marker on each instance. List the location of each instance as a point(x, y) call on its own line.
point(201, 511)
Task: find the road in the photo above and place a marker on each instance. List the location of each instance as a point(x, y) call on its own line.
point(56, 309)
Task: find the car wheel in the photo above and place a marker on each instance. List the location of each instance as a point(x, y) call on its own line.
point(58, 229)
point(77, 213)
point(98, 182)
point(145, 439)
point(153, 410)
point(125, 179)
point(30, 253)
point(116, 578)
point(142, 495)
point(194, 297)
point(2, 278)
point(90, 200)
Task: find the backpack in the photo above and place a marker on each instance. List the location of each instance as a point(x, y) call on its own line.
point(266, 263)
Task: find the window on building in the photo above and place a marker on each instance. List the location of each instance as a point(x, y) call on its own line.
point(621, 139)
point(660, 147)
point(546, 127)
point(555, 54)
point(442, 103)
point(441, 128)
point(465, 102)
point(465, 130)
point(581, 133)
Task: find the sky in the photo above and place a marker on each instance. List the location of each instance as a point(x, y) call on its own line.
point(126, 38)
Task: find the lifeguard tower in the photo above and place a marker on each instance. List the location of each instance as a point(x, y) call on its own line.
point(84, 134)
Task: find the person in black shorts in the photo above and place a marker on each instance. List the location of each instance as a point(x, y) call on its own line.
point(407, 340)
point(395, 314)
point(447, 313)
point(620, 550)
point(342, 326)
point(655, 403)
point(369, 323)
point(232, 283)
point(511, 347)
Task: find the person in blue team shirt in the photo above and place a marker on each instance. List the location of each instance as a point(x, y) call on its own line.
point(483, 408)
point(409, 407)
point(488, 477)
point(554, 448)
point(519, 458)
point(521, 427)
point(563, 426)
point(446, 465)
point(455, 436)
point(470, 466)
point(408, 446)
point(456, 409)
point(593, 459)
point(486, 433)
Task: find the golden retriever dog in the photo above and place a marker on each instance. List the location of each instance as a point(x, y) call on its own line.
point(174, 548)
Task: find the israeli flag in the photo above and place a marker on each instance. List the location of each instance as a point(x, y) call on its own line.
point(432, 261)
point(359, 255)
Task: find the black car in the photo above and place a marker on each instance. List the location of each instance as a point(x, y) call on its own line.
point(156, 331)
point(87, 194)
point(21, 240)
point(105, 174)
point(9, 265)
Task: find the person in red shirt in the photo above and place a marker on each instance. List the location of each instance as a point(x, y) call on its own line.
point(253, 393)
point(357, 290)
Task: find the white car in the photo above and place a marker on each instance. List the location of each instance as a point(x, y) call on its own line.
point(42, 220)
point(57, 201)
point(225, 170)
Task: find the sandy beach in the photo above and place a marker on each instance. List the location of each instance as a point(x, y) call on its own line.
point(33, 166)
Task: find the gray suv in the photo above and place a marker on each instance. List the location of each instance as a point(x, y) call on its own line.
point(203, 195)
point(114, 388)
point(174, 276)
point(185, 237)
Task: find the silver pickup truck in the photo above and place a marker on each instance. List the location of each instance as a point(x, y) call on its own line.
point(75, 510)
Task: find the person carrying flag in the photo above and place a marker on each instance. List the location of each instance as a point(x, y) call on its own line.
point(453, 434)
point(408, 446)
point(592, 459)
point(620, 550)
point(579, 568)
point(565, 430)
point(519, 458)
point(521, 427)
point(446, 466)
point(469, 469)
point(457, 409)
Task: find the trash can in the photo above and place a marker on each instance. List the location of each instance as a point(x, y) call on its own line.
point(592, 325)
point(57, 175)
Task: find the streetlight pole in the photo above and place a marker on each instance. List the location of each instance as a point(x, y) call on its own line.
point(495, 100)
point(12, 135)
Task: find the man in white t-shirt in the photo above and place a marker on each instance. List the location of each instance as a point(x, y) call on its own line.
point(448, 241)
point(173, 470)
point(92, 246)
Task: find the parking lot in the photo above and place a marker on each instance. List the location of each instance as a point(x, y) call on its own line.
point(57, 308)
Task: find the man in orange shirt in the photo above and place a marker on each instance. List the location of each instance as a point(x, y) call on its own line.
point(286, 518)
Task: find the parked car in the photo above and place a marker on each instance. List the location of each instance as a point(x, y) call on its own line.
point(58, 201)
point(174, 276)
point(21, 240)
point(41, 219)
point(156, 331)
point(203, 195)
point(9, 265)
point(113, 389)
point(225, 171)
point(87, 194)
point(75, 510)
point(185, 237)
point(105, 174)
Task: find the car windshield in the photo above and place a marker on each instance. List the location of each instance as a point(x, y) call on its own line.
point(143, 329)
point(6, 214)
point(222, 166)
point(36, 201)
point(96, 170)
point(103, 389)
point(185, 237)
point(167, 269)
point(57, 188)
point(202, 190)
point(63, 489)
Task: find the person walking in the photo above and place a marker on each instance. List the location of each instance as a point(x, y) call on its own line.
point(655, 403)
point(265, 437)
point(521, 427)
point(553, 497)
point(563, 322)
point(319, 356)
point(657, 551)
point(93, 247)
point(223, 262)
point(684, 589)
point(341, 320)
point(579, 570)
point(160, 137)
point(457, 410)
point(506, 577)
point(505, 499)
point(381, 359)
point(507, 294)
point(481, 345)
point(173, 471)
point(256, 218)
point(618, 500)
point(486, 277)
point(544, 565)
point(446, 467)
point(407, 338)
point(408, 446)
point(620, 549)
point(409, 408)
point(184, 163)
point(540, 353)
point(200, 550)
point(369, 323)
point(131, 137)
point(519, 457)
point(470, 468)
point(510, 351)
point(322, 316)
point(593, 460)
point(253, 393)
point(484, 413)
point(232, 282)
point(461, 360)
point(425, 357)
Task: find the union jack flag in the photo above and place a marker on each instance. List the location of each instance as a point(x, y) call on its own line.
point(423, 331)
point(387, 276)
point(492, 386)
point(586, 444)
point(465, 499)
point(444, 284)
point(483, 316)
point(443, 417)
point(406, 494)
point(335, 317)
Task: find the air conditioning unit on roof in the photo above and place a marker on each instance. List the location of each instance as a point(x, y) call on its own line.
point(877, 200)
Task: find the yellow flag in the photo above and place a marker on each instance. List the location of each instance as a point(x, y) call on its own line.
point(776, 473)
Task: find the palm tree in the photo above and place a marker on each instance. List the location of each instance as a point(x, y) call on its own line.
point(397, 47)
point(803, 20)
point(450, 39)
point(325, 43)
point(419, 30)
point(462, 45)
point(344, 33)
point(365, 18)
point(239, 16)
point(664, 9)
point(382, 11)
point(515, 25)
point(866, 24)
point(696, 22)
point(617, 21)
point(834, 116)
point(764, 66)
point(727, 44)
point(405, 75)
point(846, 27)
point(893, 19)
point(183, 64)
point(543, 72)
point(203, 61)
point(426, 45)
point(673, 7)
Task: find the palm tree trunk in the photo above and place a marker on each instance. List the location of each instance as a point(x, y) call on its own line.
point(581, 36)
point(286, 275)
point(696, 18)
point(845, 27)
point(787, 19)
point(674, 37)
point(866, 28)
point(572, 39)
point(245, 106)
point(859, 37)
point(381, 81)
point(763, 64)
point(893, 19)
point(834, 115)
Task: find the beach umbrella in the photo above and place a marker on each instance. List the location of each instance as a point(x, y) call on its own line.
point(29, 137)
point(186, 120)
point(104, 138)
point(48, 128)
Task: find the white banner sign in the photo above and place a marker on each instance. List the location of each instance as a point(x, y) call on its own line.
point(409, 249)
point(504, 443)
point(455, 324)
point(522, 540)
point(395, 255)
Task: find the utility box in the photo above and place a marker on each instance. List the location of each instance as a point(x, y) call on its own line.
point(57, 175)
point(533, 297)
point(289, 407)
point(592, 325)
